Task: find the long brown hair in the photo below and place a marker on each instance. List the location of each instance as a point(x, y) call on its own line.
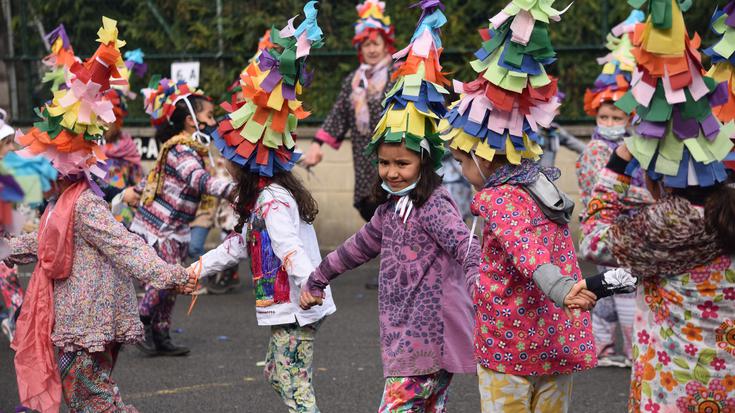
point(250, 185)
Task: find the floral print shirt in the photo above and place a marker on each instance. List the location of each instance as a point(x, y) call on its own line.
point(518, 329)
point(96, 305)
point(684, 329)
point(426, 270)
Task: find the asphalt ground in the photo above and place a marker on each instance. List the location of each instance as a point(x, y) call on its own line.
point(223, 373)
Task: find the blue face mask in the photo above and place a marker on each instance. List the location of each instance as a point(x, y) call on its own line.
point(402, 192)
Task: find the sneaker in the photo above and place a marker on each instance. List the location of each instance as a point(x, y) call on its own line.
point(7, 328)
point(613, 361)
point(223, 283)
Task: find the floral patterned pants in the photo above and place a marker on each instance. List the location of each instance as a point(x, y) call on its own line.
point(86, 381)
point(416, 394)
point(288, 365)
point(506, 393)
point(159, 304)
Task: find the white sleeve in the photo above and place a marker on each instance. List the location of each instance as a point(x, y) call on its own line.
point(226, 255)
point(282, 222)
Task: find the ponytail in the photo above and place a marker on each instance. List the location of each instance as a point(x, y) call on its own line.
point(719, 215)
point(177, 122)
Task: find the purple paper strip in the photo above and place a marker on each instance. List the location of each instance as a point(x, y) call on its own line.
point(710, 127)
point(59, 32)
point(729, 9)
point(720, 95)
point(289, 92)
point(651, 129)
point(684, 128)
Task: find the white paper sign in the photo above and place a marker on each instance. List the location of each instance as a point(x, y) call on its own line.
point(188, 71)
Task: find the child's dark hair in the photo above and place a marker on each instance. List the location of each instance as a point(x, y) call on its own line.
point(249, 188)
point(178, 119)
point(719, 215)
point(429, 180)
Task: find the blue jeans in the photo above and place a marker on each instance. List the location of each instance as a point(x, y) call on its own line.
point(198, 237)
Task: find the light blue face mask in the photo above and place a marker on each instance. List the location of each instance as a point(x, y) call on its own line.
point(613, 133)
point(401, 192)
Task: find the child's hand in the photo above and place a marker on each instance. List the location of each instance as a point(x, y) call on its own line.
point(580, 297)
point(306, 301)
point(191, 283)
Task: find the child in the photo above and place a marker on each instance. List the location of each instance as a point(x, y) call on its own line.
point(276, 212)
point(526, 345)
point(610, 131)
point(80, 302)
point(173, 190)
point(426, 251)
point(680, 247)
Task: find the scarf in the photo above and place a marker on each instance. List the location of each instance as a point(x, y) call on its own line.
point(124, 149)
point(39, 383)
point(154, 182)
point(524, 174)
point(667, 238)
point(368, 83)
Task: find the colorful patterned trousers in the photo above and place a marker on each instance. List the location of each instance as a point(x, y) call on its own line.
point(506, 393)
point(416, 394)
point(288, 365)
point(86, 381)
point(158, 305)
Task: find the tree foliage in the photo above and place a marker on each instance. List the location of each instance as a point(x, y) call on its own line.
point(190, 28)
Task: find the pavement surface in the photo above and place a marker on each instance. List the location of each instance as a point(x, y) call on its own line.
point(223, 373)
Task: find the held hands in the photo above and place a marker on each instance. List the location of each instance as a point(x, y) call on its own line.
point(191, 283)
point(306, 301)
point(623, 152)
point(580, 297)
point(313, 156)
point(131, 197)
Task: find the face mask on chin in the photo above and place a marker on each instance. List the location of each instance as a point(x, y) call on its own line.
point(401, 192)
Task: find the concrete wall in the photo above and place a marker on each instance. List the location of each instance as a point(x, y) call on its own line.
point(332, 184)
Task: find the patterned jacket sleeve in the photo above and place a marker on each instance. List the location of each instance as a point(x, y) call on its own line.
point(125, 250)
point(190, 168)
point(337, 123)
point(23, 248)
point(603, 210)
point(440, 218)
point(506, 209)
point(357, 250)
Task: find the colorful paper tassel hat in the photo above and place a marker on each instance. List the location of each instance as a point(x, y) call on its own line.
point(617, 67)
point(257, 133)
point(161, 96)
point(373, 22)
point(722, 70)
point(677, 138)
point(73, 122)
point(502, 110)
point(415, 105)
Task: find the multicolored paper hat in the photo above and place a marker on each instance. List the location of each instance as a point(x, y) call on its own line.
point(118, 94)
point(373, 22)
point(161, 97)
point(73, 122)
point(61, 57)
point(257, 133)
point(723, 59)
point(415, 105)
point(617, 66)
point(677, 139)
point(502, 111)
